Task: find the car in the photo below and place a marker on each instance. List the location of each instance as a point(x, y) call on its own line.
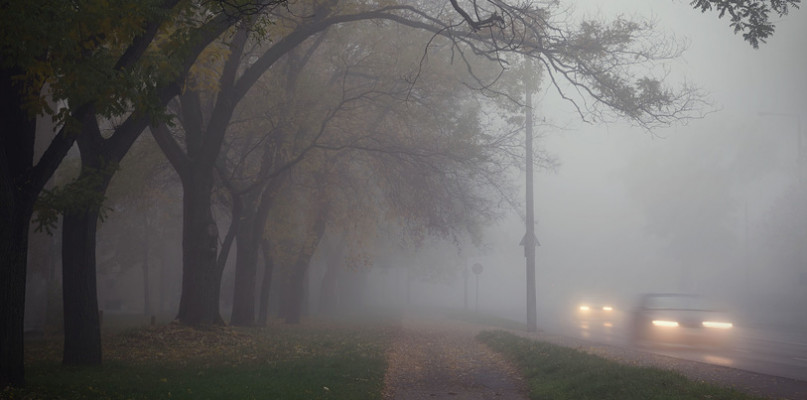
point(675, 319)
point(595, 311)
point(596, 314)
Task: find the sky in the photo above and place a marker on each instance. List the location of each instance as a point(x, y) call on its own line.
point(600, 213)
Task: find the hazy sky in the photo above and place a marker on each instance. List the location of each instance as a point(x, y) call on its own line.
point(595, 213)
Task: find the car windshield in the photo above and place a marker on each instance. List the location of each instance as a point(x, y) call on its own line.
point(676, 302)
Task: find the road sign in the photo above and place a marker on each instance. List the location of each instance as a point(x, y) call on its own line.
point(477, 268)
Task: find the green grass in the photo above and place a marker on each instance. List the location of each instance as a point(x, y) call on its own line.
point(173, 362)
point(556, 372)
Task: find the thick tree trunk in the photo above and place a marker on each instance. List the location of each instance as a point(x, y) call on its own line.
point(82, 328)
point(266, 282)
point(17, 196)
point(13, 256)
point(201, 274)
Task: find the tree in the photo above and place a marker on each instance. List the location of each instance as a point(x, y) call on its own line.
point(39, 43)
point(142, 221)
point(258, 193)
point(202, 262)
point(91, 60)
point(99, 155)
point(591, 66)
point(195, 163)
point(347, 106)
point(749, 16)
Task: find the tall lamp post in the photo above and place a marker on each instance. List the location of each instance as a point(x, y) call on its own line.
point(477, 268)
point(530, 241)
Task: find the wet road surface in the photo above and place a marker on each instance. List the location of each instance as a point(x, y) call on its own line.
point(757, 360)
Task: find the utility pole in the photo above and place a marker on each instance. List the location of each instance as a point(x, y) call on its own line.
point(530, 241)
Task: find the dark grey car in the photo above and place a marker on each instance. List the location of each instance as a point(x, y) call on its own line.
point(679, 319)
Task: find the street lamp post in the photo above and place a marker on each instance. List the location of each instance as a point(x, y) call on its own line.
point(530, 241)
point(477, 268)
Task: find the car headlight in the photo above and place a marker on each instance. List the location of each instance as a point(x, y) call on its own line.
point(607, 308)
point(584, 308)
point(718, 325)
point(665, 323)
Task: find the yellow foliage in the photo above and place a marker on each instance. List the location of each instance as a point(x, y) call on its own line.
point(205, 72)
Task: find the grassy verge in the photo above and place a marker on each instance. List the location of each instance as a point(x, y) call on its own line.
point(175, 362)
point(556, 372)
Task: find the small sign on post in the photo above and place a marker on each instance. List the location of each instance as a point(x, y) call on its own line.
point(529, 239)
point(477, 268)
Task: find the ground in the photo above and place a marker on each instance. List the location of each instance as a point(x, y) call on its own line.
point(442, 360)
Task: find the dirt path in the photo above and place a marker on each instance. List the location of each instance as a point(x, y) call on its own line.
point(442, 360)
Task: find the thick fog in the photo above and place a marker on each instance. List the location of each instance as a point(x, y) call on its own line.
point(713, 206)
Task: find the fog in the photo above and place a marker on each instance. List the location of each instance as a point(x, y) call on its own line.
point(713, 205)
point(694, 208)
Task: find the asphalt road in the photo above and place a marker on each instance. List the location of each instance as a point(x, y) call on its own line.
point(761, 362)
point(754, 349)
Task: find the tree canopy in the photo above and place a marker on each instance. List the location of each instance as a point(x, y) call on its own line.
point(105, 69)
point(749, 17)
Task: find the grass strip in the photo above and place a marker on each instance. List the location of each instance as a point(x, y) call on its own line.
point(174, 362)
point(557, 372)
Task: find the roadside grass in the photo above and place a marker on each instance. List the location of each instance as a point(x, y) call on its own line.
point(557, 372)
point(315, 360)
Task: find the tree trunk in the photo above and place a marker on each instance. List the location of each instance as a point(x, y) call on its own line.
point(146, 287)
point(266, 284)
point(161, 284)
point(82, 328)
point(294, 292)
point(13, 256)
point(201, 274)
point(245, 266)
point(328, 297)
point(251, 230)
point(333, 250)
point(17, 196)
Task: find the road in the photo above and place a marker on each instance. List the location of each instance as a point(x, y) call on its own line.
point(754, 349)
